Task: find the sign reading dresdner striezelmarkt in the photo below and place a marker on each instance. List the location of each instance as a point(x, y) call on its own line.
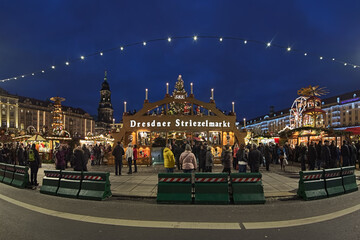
point(180, 123)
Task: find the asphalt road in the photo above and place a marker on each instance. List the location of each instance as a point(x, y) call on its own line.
point(35, 221)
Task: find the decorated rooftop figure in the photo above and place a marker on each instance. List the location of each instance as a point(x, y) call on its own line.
point(306, 110)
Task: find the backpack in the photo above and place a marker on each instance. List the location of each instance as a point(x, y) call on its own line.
point(31, 156)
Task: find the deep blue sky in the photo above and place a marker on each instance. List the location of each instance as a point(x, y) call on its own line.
point(38, 34)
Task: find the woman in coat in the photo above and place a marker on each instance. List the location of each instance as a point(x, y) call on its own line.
point(169, 159)
point(188, 160)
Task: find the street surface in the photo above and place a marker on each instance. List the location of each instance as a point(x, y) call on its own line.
point(27, 214)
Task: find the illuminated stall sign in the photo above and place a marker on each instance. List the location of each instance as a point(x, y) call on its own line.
point(180, 123)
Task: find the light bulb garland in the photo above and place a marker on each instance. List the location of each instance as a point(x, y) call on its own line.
point(220, 39)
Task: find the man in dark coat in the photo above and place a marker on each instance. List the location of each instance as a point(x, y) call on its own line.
point(34, 162)
point(268, 155)
point(255, 158)
point(118, 153)
point(334, 155)
point(86, 156)
point(177, 152)
point(325, 154)
point(202, 158)
point(303, 156)
point(312, 156)
point(345, 153)
point(319, 158)
point(78, 159)
point(226, 159)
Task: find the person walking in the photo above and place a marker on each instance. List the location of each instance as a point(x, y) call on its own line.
point(226, 159)
point(78, 159)
point(282, 156)
point(267, 153)
point(188, 160)
point(34, 162)
point(255, 159)
point(325, 154)
point(209, 160)
point(241, 158)
point(118, 153)
point(169, 159)
point(129, 156)
point(345, 153)
point(312, 156)
point(135, 154)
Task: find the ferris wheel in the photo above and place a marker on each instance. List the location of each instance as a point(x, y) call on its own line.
point(296, 112)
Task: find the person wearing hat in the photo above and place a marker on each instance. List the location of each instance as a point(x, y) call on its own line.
point(118, 153)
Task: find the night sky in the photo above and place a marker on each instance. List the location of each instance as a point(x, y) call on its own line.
point(37, 34)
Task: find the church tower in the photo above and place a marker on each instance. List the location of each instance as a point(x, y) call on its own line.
point(105, 109)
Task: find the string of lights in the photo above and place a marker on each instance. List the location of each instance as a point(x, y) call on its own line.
point(221, 39)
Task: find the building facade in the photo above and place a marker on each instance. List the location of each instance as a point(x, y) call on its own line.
point(105, 109)
point(342, 111)
point(21, 115)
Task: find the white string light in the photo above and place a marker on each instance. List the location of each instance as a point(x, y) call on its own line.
point(169, 39)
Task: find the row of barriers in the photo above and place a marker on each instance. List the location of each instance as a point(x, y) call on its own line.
point(210, 188)
point(14, 175)
point(74, 184)
point(327, 183)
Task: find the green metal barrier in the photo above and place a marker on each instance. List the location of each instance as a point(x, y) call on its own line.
point(21, 177)
point(95, 186)
point(2, 171)
point(211, 188)
point(311, 185)
point(9, 174)
point(349, 179)
point(247, 188)
point(51, 182)
point(333, 182)
point(70, 184)
point(174, 188)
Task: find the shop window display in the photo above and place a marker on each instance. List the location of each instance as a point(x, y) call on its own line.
point(144, 138)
